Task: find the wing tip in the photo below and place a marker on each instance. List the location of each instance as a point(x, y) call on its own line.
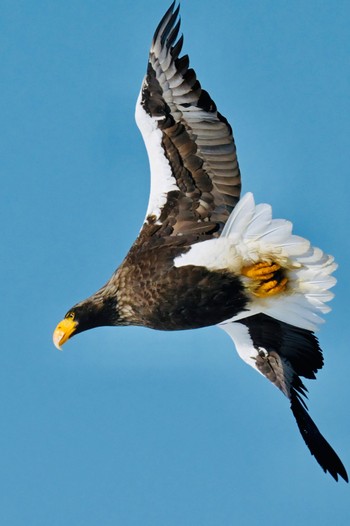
point(170, 15)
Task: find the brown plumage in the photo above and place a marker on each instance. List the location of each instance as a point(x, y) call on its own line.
point(154, 293)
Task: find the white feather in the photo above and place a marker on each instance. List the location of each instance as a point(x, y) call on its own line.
point(241, 216)
point(162, 178)
point(260, 220)
point(243, 342)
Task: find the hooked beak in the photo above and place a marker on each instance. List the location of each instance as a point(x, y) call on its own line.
point(63, 332)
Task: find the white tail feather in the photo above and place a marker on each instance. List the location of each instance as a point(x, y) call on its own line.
point(308, 268)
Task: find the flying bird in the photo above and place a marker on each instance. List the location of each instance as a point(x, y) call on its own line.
point(205, 256)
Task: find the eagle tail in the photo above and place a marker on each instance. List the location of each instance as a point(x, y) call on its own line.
point(258, 237)
point(317, 444)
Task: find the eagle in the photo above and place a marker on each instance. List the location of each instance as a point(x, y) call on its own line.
point(207, 256)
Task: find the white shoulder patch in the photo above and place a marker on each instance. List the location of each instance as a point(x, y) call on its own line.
point(162, 178)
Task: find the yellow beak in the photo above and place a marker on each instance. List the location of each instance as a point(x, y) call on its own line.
point(63, 332)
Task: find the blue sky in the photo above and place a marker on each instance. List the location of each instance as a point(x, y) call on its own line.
point(130, 426)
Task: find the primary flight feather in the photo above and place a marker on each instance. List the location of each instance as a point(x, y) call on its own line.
point(206, 257)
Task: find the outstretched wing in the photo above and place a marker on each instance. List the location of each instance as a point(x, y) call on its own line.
point(195, 178)
point(283, 353)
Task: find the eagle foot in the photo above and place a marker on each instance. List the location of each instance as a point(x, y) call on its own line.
point(262, 270)
point(269, 277)
point(270, 288)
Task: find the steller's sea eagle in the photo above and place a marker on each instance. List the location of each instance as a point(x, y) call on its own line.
point(206, 257)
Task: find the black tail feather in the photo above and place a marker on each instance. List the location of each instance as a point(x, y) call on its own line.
point(317, 444)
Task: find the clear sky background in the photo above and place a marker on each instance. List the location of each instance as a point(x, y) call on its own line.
point(129, 426)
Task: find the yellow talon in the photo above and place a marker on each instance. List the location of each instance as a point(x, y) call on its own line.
point(268, 285)
point(261, 270)
point(268, 280)
point(271, 288)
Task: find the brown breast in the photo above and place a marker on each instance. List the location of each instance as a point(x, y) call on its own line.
point(154, 293)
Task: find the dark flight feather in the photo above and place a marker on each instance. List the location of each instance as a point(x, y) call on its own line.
point(197, 141)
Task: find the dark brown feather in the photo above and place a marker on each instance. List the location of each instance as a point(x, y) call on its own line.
point(152, 292)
